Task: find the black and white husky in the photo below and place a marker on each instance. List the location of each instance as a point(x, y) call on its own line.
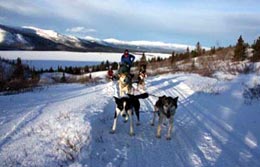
point(165, 107)
point(126, 107)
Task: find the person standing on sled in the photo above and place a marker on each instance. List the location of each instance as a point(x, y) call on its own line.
point(126, 62)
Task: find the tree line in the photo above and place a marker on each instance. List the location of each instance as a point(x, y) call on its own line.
point(76, 70)
point(16, 76)
point(241, 47)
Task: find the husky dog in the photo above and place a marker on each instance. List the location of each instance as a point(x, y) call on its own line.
point(141, 82)
point(165, 107)
point(126, 106)
point(125, 84)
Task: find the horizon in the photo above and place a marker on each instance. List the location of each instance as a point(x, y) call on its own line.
point(212, 23)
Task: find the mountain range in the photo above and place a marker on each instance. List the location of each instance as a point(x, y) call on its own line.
point(32, 38)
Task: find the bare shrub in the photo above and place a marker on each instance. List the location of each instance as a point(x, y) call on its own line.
point(70, 144)
point(207, 72)
point(251, 93)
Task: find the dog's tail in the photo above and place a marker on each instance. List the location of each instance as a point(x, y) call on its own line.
point(140, 96)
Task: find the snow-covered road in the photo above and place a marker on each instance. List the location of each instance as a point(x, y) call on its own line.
point(64, 125)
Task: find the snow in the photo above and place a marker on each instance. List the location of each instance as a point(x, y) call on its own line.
point(69, 124)
point(21, 39)
point(56, 37)
point(9, 38)
point(44, 33)
point(97, 40)
point(6, 37)
point(2, 35)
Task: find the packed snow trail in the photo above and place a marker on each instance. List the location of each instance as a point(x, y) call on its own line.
point(69, 125)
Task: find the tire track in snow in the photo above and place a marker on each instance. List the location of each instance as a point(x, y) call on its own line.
point(26, 119)
point(206, 129)
point(209, 123)
point(120, 149)
point(179, 140)
point(189, 145)
point(167, 146)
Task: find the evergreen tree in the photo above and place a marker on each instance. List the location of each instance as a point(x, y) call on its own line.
point(60, 69)
point(70, 70)
point(213, 50)
point(63, 78)
point(102, 66)
point(194, 53)
point(256, 53)
point(159, 59)
point(34, 73)
point(114, 66)
point(173, 58)
point(107, 64)
point(19, 70)
point(198, 49)
point(51, 69)
point(203, 51)
point(188, 52)
point(143, 62)
point(143, 59)
point(240, 50)
point(1, 72)
point(86, 69)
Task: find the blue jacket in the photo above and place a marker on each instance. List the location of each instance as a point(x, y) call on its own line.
point(129, 59)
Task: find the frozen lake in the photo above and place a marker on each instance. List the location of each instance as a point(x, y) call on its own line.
point(47, 59)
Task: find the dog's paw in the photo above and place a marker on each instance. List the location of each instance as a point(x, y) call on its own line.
point(168, 138)
point(158, 136)
point(152, 124)
point(138, 124)
point(112, 132)
point(132, 134)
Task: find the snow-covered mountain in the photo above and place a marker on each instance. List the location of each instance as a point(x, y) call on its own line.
point(32, 38)
point(152, 46)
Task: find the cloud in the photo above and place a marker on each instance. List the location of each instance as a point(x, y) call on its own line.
point(143, 19)
point(80, 29)
point(2, 18)
point(20, 7)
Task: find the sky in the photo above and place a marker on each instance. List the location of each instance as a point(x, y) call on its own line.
point(211, 22)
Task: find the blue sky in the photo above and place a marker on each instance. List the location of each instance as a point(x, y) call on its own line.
point(212, 22)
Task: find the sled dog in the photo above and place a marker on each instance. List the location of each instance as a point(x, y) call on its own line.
point(124, 84)
point(141, 82)
point(126, 107)
point(165, 107)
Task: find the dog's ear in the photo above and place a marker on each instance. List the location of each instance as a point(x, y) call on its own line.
point(176, 98)
point(162, 97)
point(116, 99)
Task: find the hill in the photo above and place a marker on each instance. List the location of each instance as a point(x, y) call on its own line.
point(32, 38)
